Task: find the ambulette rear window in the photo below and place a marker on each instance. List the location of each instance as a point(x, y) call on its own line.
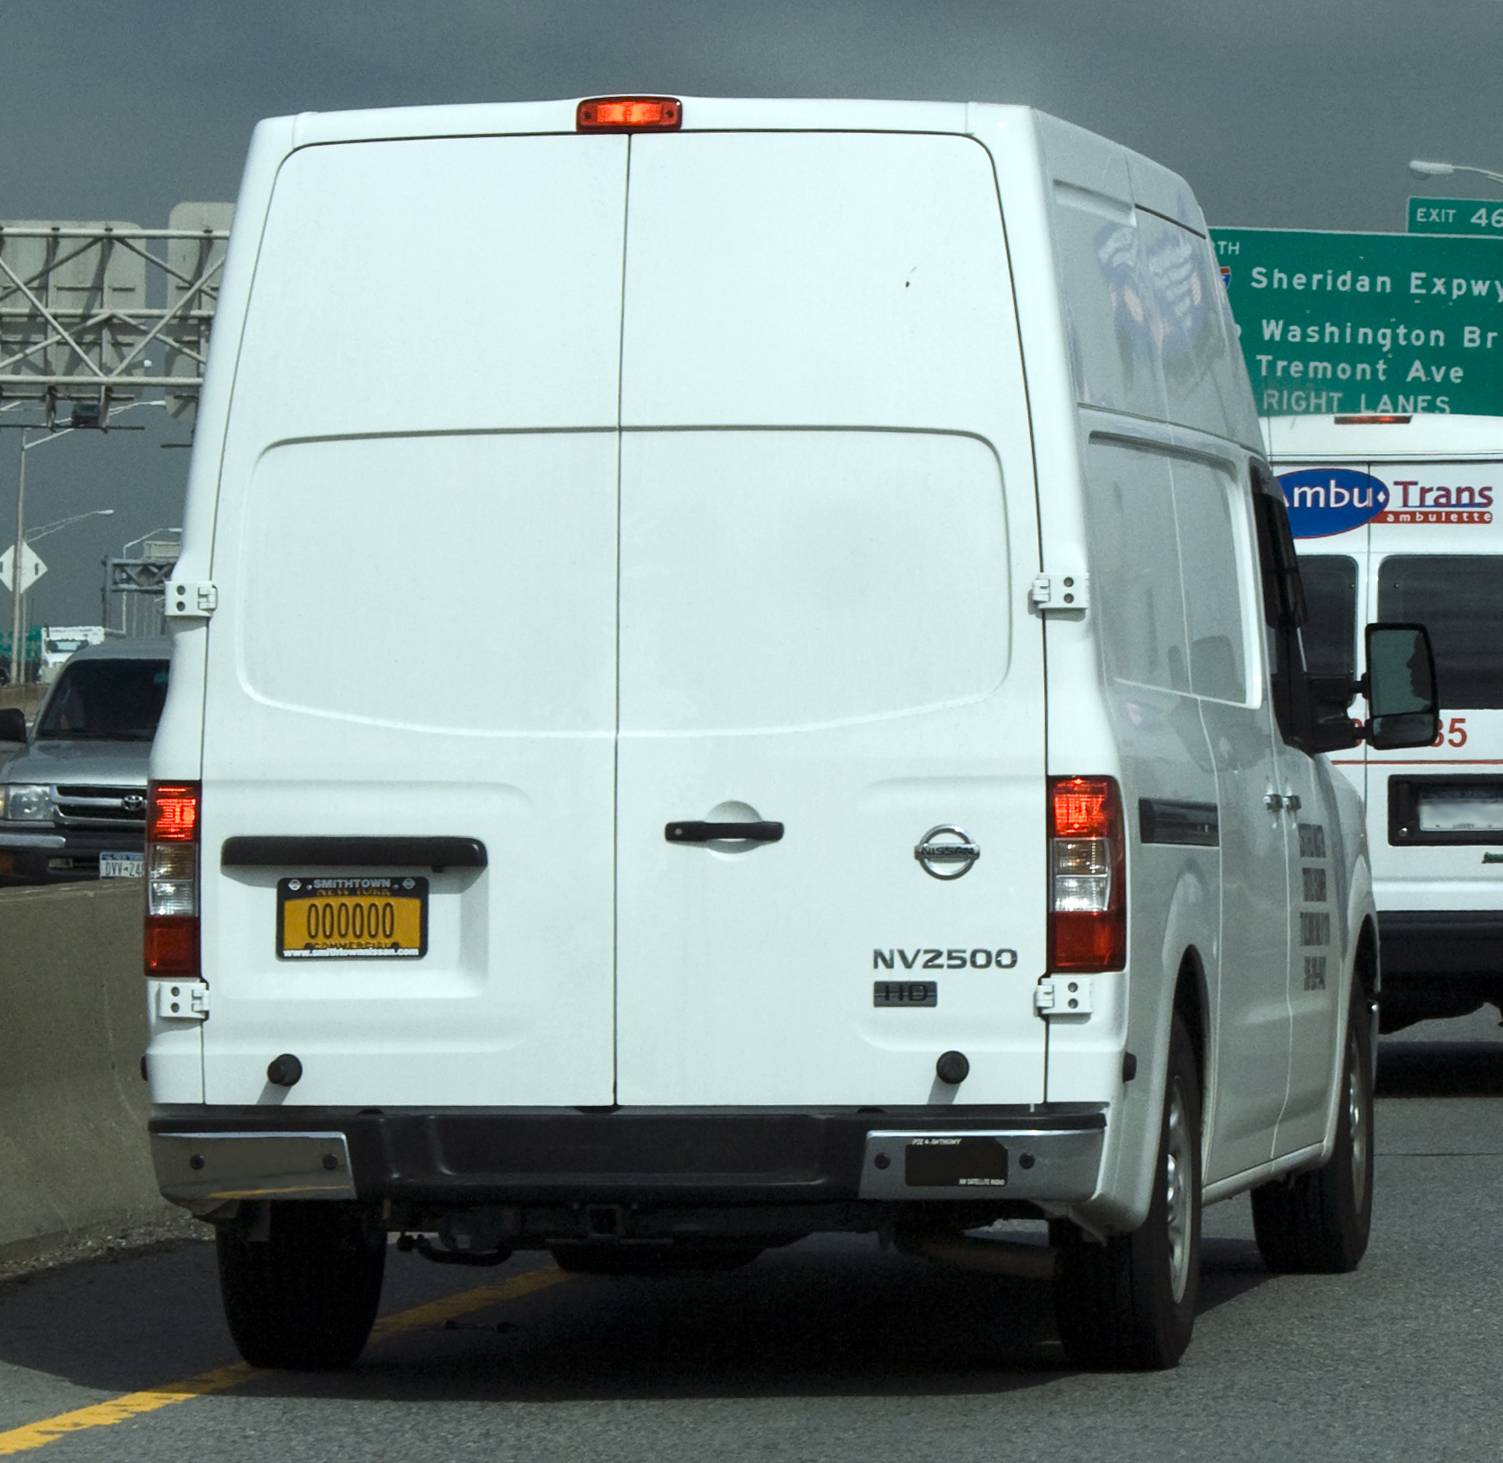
point(1459, 597)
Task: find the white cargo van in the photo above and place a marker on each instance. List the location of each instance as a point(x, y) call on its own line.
point(883, 797)
point(1396, 517)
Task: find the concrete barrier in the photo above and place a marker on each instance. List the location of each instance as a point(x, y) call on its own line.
point(73, 1108)
point(28, 697)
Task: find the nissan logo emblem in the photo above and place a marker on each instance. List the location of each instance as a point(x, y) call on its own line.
point(946, 845)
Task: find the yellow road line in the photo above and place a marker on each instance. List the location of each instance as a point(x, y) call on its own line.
point(436, 1312)
point(221, 1379)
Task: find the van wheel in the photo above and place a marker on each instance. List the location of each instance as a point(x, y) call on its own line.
point(673, 1259)
point(1130, 1303)
point(1318, 1222)
point(305, 1297)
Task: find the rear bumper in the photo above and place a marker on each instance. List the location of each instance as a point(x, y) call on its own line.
point(654, 1158)
point(1441, 942)
point(1438, 963)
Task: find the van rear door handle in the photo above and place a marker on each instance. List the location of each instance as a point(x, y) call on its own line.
point(688, 832)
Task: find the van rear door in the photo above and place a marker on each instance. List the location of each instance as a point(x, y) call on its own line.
point(827, 534)
point(416, 635)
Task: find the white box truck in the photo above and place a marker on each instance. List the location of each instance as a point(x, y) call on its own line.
point(886, 797)
point(1396, 516)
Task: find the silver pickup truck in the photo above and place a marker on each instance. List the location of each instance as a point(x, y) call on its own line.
point(73, 799)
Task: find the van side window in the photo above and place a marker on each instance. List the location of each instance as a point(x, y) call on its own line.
point(1283, 610)
point(1134, 550)
point(1330, 633)
point(1149, 327)
point(1213, 598)
point(1459, 599)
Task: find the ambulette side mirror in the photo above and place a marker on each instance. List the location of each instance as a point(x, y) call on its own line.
point(1403, 708)
point(12, 724)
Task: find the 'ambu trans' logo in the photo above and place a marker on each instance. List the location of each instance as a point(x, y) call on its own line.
point(1327, 500)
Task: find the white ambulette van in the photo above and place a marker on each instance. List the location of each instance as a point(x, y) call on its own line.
point(1396, 518)
point(879, 793)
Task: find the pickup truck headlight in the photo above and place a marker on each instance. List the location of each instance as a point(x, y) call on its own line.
point(25, 802)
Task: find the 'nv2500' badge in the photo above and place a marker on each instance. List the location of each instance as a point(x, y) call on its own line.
point(946, 852)
point(1327, 500)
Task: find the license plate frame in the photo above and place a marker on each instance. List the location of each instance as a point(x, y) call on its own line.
point(403, 937)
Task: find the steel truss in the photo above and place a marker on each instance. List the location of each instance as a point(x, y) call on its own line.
point(89, 312)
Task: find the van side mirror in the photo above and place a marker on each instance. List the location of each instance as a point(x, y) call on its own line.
point(1400, 690)
point(12, 724)
point(1333, 729)
point(1403, 708)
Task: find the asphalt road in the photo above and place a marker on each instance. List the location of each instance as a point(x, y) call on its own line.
point(830, 1349)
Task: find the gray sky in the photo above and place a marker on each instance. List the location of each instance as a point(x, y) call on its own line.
point(1281, 113)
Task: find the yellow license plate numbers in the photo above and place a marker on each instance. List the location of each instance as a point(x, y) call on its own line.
point(364, 917)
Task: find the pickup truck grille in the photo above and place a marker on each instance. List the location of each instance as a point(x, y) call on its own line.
point(100, 807)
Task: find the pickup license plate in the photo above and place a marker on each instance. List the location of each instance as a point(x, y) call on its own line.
point(122, 865)
point(369, 918)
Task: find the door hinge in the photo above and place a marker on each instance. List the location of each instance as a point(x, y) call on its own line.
point(1065, 995)
point(192, 599)
point(1064, 591)
point(180, 1000)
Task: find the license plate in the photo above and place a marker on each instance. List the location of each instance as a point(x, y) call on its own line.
point(358, 918)
point(1461, 810)
point(122, 865)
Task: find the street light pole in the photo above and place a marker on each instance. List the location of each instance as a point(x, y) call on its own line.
point(1422, 169)
point(18, 590)
point(16, 654)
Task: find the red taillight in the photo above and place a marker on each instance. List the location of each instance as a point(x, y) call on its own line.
point(1370, 421)
point(627, 114)
point(172, 944)
point(1082, 806)
point(172, 878)
point(172, 812)
point(1087, 867)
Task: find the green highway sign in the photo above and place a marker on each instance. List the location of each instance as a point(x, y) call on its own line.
point(1357, 323)
point(1456, 216)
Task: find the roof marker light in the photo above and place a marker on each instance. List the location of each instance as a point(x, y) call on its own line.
point(629, 114)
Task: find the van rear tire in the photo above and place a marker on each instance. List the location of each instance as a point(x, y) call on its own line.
point(304, 1298)
point(1130, 1303)
point(1317, 1223)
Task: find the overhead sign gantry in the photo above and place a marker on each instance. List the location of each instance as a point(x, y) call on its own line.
point(91, 313)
